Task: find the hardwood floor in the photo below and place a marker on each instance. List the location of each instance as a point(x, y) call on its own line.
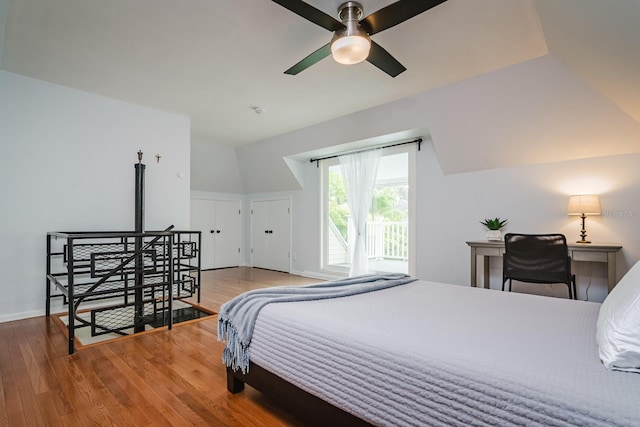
point(162, 378)
point(219, 286)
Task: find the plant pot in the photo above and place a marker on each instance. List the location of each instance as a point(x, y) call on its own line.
point(494, 235)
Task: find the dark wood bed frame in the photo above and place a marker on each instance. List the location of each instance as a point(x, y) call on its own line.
point(314, 410)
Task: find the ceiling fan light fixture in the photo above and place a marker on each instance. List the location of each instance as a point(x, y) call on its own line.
point(350, 49)
point(351, 44)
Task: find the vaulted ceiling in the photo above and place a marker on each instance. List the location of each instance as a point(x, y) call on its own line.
point(214, 60)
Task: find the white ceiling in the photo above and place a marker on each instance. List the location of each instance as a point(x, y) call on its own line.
point(214, 60)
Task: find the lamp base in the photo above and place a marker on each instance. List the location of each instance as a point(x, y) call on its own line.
point(583, 232)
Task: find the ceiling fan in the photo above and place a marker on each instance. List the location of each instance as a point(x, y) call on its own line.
point(351, 43)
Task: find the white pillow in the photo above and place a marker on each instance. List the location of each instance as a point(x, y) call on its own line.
point(618, 328)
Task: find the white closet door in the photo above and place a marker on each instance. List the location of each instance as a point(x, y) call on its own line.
point(227, 234)
point(260, 234)
point(280, 238)
point(202, 219)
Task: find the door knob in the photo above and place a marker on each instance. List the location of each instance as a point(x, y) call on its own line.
point(218, 231)
point(211, 231)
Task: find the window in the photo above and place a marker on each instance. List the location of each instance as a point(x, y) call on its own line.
point(388, 228)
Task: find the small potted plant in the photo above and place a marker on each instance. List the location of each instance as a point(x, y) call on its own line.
point(494, 225)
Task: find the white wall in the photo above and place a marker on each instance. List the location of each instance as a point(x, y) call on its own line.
point(552, 115)
point(214, 168)
point(533, 112)
point(4, 16)
point(534, 199)
point(67, 164)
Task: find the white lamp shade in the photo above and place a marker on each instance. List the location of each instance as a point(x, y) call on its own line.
point(350, 49)
point(587, 204)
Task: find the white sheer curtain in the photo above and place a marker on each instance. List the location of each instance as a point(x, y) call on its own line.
point(359, 172)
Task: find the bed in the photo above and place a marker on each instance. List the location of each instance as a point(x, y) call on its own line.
point(425, 353)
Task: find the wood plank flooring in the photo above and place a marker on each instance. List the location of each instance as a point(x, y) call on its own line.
point(163, 378)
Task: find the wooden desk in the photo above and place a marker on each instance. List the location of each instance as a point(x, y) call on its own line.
point(592, 252)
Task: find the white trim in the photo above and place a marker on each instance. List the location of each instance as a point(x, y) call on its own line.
point(324, 216)
point(268, 199)
point(412, 235)
point(20, 316)
point(226, 197)
point(57, 308)
point(317, 275)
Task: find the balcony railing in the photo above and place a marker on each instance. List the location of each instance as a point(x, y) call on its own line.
point(385, 241)
point(388, 240)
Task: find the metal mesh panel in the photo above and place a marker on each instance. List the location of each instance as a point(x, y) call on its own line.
point(84, 251)
point(180, 250)
point(187, 250)
point(187, 285)
point(119, 318)
point(104, 263)
point(113, 288)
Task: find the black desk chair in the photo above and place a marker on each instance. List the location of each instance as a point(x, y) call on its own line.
point(537, 258)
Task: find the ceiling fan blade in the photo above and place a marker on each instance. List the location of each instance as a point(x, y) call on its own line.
point(312, 14)
point(396, 13)
point(311, 59)
point(383, 60)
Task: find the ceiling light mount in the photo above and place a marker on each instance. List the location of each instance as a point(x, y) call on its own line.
point(350, 11)
point(351, 44)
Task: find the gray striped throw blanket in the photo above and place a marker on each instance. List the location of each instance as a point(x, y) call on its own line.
point(238, 316)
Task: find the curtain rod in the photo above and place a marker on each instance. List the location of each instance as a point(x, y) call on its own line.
point(417, 140)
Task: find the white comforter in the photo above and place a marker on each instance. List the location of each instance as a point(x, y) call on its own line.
point(434, 354)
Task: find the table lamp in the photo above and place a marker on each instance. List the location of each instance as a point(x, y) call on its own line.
point(583, 205)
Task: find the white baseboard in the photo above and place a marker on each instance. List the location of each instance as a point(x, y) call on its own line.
point(317, 275)
point(56, 308)
point(20, 316)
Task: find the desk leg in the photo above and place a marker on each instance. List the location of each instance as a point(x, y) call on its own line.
point(611, 270)
point(474, 271)
point(487, 285)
